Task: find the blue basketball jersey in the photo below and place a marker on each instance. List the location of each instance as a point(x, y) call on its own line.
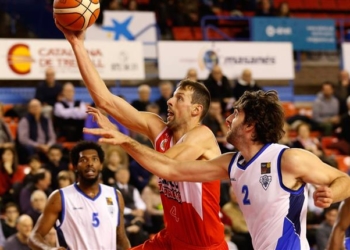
point(347, 239)
point(275, 215)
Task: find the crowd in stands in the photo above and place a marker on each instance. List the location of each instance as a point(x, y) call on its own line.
point(35, 157)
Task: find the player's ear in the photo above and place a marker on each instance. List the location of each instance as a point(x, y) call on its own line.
point(197, 109)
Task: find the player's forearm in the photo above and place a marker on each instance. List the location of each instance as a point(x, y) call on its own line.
point(97, 88)
point(123, 242)
point(37, 242)
point(336, 239)
point(340, 188)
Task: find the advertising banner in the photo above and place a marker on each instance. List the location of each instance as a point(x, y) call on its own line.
point(305, 34)
point(265, 60)
point(127, 26)
point(29, 58)
point(346, 56)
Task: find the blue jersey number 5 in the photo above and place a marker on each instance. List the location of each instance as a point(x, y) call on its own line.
point(245, 191)
point(95, 220)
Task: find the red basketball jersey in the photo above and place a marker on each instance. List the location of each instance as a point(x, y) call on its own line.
point(191, 209)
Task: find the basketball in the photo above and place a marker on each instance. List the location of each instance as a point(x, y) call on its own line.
point(76, 14)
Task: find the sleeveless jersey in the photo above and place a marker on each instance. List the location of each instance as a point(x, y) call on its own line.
point(191, 210)
point(88, 223)
point(347, 239)
point(275, 215)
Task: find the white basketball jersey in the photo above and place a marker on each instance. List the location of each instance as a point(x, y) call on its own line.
point(86, 223)
point(275, 215)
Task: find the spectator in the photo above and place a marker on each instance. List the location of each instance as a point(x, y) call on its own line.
point(166, 89)
point(51, 238)
point(215, 121)
point(19, 240)
point(132, 5)
point(342, 90)
point(70, 115)
point(154, 208)
point(55, 163)
point(6, 140)
point(244, 83)
point(48, 91)
point(286, 140)
point(35, 133)
point(219, 87)
point(38, 201)
point(2, 238)
point(41, 181)
point(139, 176)
point(325, 109)
point(325, 229)
point(144, 92)
point(11, 175)
point(65, 178)
point(265, 9)
point(8, 222)
point(283, 10)
point(34, 165)
point(192, 74)
point(115, 158)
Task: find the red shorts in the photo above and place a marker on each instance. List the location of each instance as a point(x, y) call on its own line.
point(162, 241)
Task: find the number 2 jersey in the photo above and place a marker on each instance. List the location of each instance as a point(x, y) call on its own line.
point(88, 223)
point(275, 214)
point(191, 210)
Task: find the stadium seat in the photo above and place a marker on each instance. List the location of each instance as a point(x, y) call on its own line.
point(328, 5)
point(289, 109)
point(343, 162)
point(327, 140)
point(183, 33)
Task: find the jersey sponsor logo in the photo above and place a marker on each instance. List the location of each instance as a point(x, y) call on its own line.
point(109, 201)
point(265, 167)
point(77, 208)
point(265, 181)
point(170, 189)
point(162, 144)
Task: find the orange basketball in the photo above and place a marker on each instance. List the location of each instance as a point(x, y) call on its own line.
point(76, 14)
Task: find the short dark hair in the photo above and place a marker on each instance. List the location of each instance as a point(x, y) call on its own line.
point(85, 145)
point(56, 146)
point(201, 94)
point(39, 175)
point(263, 110)
point(11, 204)
point(328, 83)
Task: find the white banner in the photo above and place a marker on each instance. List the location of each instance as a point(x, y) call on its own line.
point(24, 59)
point(346, 56)
point(130, 26)
point(266, 60)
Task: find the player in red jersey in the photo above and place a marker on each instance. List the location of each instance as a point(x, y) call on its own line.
point(191, 210)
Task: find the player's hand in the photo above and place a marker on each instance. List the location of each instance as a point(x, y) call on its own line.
point(109, 136)
point(101, 119)
point(323, 196)
point(71, 36)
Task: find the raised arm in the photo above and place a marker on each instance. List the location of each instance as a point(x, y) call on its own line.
point(141, 122)
point(336, 240)
point(307, 167)
point(164, 166)
point(45, 222)
point(122, 240)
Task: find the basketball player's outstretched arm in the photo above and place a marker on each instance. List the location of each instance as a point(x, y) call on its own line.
point(122, 240)
point(145, 123)
point(336, 240)
point(332, 184)
point(45, 222)
point(164, 166)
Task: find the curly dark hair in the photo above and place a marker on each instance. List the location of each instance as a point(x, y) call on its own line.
point(201, 94)
point(263, 110)
point(85, 145)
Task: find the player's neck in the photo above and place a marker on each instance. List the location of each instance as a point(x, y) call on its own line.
point(249, 151)
point(90, 190)
point(181, 131)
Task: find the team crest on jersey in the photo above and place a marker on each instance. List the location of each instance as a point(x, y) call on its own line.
point(109, 201)
point(170, 189)
point(162, 144)
point(265, 167)
point(265, 181)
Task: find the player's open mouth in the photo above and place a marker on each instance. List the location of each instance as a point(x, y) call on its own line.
point(90, 171)
point(170, 114)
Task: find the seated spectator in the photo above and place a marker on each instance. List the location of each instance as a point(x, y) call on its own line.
point(115, 159)
point(69, 115)
point(283, 10)
point(134, 208)
point(41, 181)
point(90, 123)
point(65, 178)
point(325, 229)
point(325, 109)
point(342, 90)
point(51, 238)
point(154, 208)
point(144, 92)
point(239, 226)
point(34, 165)
point(19, 240)
point(6, 140)
point(38, 201)
point(48, 91)
point(192, 74)
point(244, 83)
point(139, 176)
point(35, 133)
point(11, 175)
point(55, 163)
point(166, 89)
point(8, 222)
point(265, 9)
